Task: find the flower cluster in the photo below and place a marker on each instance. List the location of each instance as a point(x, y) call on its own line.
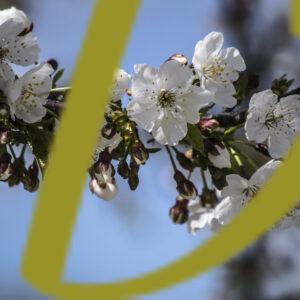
point(206, 114)
point(26, 115)
point(174, 104)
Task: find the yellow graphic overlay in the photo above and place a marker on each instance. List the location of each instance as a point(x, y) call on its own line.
point(295, 17)
point(59, 198)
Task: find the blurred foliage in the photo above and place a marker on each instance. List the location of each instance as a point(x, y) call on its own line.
point(20, 4)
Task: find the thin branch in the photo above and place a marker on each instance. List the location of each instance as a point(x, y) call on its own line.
point(171, 158)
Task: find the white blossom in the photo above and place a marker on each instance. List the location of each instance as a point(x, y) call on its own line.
point(164, 101)
point(17, 16)
point(27, 95)
point(201, 217)
point(272, 120)
point(291, 219)
point(121, 85)
point(221, 159)
point(240, 191)
point(218, 68)
point(15, 48)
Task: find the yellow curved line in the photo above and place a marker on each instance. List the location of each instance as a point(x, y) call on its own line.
point(59, 198)
point(295, 17)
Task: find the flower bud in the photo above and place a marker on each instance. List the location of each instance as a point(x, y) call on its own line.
point(207, 125)
point(208, 198)
point(104, 157)
point(180, 58)
point(104, 171)
point(133, 181)
point(139, 153)
point(5, 136)
point(108, 131)
point(184, 162)
point(4, 111)
point(18, 169)
point(6, 168)
point(179, 213)
point(104, 190)
point(189, 153)
point(30, 178)
point(185, 187)
point(123, 169)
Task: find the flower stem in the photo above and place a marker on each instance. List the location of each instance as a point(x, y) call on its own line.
point(12, 152)
point(203, 178)
point(52, 113)
point(171, 158)
point(232, 130)
point(23, 151)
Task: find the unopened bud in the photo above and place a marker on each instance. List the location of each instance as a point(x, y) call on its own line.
point(18, 169)
point(185, 162)
point(179, 213)
point(105, 157)
point(185, 187)
point(6, 169)
point(180, 58)
point(133, 181)
point(30, 178)
point(189, 153)
point(5, 136)
point(108, 131)
point(139, 153)
point(4, 111)
point(105, 191)
point(123, 169)
point(207, 125)
point(209, 197)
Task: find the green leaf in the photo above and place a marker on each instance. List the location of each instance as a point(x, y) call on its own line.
point(58, 75)
point(39, 141)
point(153, 150)
point(244, 85)
point(194, 138)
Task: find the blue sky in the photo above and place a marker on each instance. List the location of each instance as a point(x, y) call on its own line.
point(132, 234)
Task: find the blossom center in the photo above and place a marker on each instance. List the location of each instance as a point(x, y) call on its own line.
point(166, 99)
point(250, 191)
point(272, 119)
point(216, 70)
point(3, 53)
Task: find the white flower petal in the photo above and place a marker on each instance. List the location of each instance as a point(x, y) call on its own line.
point(279, 144)
point(16, 15)
point(39, 80)
point(24, 50)
point(264, 173)
point(170, 130)
point(209, 46)
point(173, 74)
point(145, 115)
point(262, 101)
point(255, 129)
point(236, 186)
point(30, 111)
point(223, 94)
point(227, 209)
point(192, 102)
point(234, 59)
point(222, 160)
point(122, 84)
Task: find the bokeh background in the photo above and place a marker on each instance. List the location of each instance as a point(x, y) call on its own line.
point(133, 234)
